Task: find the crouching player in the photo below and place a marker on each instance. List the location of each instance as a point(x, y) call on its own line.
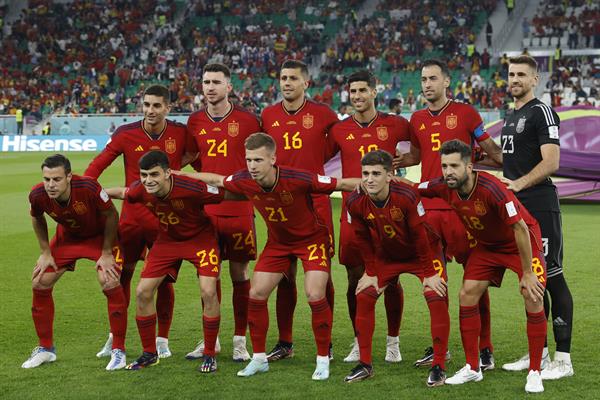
point(185, 233)
point(388, 219)
point(86, 228)
point(282, 196)
point(508, 237)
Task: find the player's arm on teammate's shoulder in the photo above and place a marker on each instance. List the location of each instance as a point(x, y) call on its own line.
point(206, 177)
point(116, 192)
point(403, 160)
point(491, 155)
point(529, 282)
point(347, 184)
point(45, 260)
point(549, 165)
point(106, 263)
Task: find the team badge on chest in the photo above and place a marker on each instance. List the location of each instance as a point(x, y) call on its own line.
point(233, 129)
point(382, 133)
point(521, 125)
point(480, 208)
point(286, 198)
point(396, 214)
point(451, 121)
point(170, 146)
point(308, 121)
point(79, 208)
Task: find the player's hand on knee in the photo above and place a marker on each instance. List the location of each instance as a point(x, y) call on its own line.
point(365, 281)
point(531, 287)
point(437, 284)
point(44, 261)
point(107, 267)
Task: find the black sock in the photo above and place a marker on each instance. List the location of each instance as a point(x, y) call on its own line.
point(562, 312)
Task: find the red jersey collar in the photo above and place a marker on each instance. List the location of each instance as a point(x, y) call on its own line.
point(149, 134)
point(212, 119)
point(441, 110)
point(371, 122)
point(285, 110)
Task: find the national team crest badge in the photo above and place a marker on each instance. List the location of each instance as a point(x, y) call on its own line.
point(170, 146)
point(521, 125)
point(480, 208)
point(79, 208)
point(308, 121)
point(451, 121)
point(396, 214)
point(382, 133)
point(286, 198)
point(233, 129)
point(177, 204)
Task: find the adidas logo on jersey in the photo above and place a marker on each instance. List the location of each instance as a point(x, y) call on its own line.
point(350, 137)
point(422, 127)
point(139, 148)
point(323, 264)
point(276, 123)
point(202, 132)
point(370, 216)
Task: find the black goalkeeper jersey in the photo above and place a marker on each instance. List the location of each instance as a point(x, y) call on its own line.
point(525, 131)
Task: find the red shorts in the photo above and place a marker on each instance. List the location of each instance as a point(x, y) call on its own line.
point(135, 239)
point(165, 258)
point(350, 254)
point(66, 250)
point(322, 205)
point(486, 265)
point(388, 271)
point(237, 237)
point(277, 258)
point(456, 240)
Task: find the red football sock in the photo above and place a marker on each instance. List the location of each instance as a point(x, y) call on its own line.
point(394, 305)
point(470, 326)
point(165, 302)
point(321, 325)
point(258, 322)
point(485, 335)
point(42, 311)
point(126, 276)
point(440, 326)
point(287, 296)
point(536, 334)
point(351, 300)
point(241, 292)
point(117, 315)
point(365, 322)
point(211, 331)
point(147, 328)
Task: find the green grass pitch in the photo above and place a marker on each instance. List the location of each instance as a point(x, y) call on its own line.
point(81, 325)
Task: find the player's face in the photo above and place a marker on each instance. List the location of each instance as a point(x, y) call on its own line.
point(433, 83)
point(155, 109)
point(216, 87)
point(292, 83)
point(521, 80)
point(375, 179)
point(156, 180)
point(260, 163)
point(56, 182)
point(456, 171)
point(362, 96)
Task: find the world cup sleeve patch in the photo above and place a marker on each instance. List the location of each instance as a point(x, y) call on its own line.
point(323, 179)
point(104, 196)
point(212, 189)
point(511, 209)
point(423, 185)
point(553, 132)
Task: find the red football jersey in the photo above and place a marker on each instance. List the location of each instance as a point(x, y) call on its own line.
point(82, 216)
point(180, 213)
point(220, 144)
point(394, 231)
point(287, 208)
point(132, 141)
point(301, 137)
point(488, 213)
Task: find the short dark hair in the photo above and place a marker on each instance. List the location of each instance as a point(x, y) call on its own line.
point(160, 91)
point(57, 160)
point(153, 159)
point(524, 59)
point(258, 140)
point(457, 146)
point(217, 67)
point(393, 103)
point(363, 76)
point(296, 64)
point(378, 157)
point(439, 63)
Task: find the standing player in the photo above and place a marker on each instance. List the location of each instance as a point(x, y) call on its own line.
point(366, 130)
point(283, 196)
point(217, 134)
point(506, 236)
point(299, 127)
point(531, 152)
point(185, 234)
point(86, 228)
point(440, 121)
point(388, 219)
point(138, 227)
